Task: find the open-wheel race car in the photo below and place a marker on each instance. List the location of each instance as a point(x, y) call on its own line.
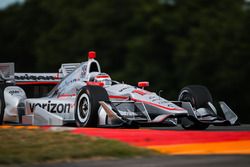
point(84, 95)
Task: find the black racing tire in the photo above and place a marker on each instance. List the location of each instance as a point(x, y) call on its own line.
point(2, 106)
point(198, 96)
point(87, 105)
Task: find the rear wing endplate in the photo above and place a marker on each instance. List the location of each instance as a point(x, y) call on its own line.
point(7, 72)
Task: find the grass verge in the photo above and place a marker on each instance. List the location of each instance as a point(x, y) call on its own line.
point(34, 146)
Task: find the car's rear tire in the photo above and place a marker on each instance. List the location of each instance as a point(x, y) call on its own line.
point(198, 96)
point(2, 106)
point(87, 105)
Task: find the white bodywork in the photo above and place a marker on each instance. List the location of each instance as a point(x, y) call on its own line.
point(13, 96)
point(125, 105)
point(62, 99)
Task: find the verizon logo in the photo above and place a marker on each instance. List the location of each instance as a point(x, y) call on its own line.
point(52, 107)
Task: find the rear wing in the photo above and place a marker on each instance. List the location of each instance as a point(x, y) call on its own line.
point(37, 78)
point(8, 75)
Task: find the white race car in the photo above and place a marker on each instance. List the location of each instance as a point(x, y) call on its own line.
point(88, 97)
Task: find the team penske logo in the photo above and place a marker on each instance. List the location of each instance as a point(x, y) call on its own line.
point(52, 107)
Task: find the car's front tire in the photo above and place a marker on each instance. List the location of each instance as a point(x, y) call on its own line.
point(87, 105)
point(198, 96)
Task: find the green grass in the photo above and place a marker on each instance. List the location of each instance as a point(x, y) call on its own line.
point(34, 146)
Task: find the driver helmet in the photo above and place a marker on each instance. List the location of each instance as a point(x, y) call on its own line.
point(104, 78)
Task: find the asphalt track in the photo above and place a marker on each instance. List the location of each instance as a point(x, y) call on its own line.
point(217, 146)
point(161, 161)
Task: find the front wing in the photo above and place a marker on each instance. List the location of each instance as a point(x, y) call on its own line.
point(140, 116)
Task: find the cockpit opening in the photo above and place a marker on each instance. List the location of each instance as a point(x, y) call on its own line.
point(94, 67)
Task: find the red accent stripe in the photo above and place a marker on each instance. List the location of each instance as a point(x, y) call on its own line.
point(140, 92)
point(66, 95)
point(104, 76)
point(118, 97)
point(101, 84)
point(157, 105)
point(37, 83)
point(57, 76)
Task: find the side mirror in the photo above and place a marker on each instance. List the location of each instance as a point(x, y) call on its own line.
point(143, 84)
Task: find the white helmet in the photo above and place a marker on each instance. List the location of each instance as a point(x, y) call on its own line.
point(104, 78)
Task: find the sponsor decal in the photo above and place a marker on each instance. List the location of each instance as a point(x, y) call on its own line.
point(12, 92)
point(34, 77)
point(84, 71)
point(72, 81)
point(124, 88)
point(52, 107)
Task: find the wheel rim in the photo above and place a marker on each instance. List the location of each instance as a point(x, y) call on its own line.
point(83, 108)
point(186, 97)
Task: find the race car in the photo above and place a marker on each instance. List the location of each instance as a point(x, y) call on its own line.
point(88, 97)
